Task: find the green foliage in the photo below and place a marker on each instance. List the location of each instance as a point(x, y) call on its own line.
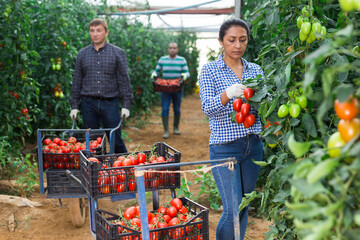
point(307, 195)
point(15, 165)
point(183, 191)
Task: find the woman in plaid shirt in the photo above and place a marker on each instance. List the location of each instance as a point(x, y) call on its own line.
point(220, 82)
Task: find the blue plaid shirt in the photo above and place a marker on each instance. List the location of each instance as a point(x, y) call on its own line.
point(102, 73)
point(214, 78)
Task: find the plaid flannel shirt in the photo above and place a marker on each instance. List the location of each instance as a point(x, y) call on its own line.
point(214, 78)
point(102, 73)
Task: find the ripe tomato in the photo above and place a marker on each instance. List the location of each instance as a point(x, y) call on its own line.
point(136, 221)
point(248, 93)
point(240, 117)
point(154, 183)
point(93, 159)
point(176, 202)
point(167, 218)
point(72, 140)
point(99, 140)
point(245, 109)
point(250, 120)
point(160, 159)
point(47, 141)
point(283, 111)
point(141, 157)
point(174, 221)
point(162, 210)
point(347, 110)
point(117, 164)
point(162, 224)
point(335, 144)
point(183, 210)
point(294, 110)
point(289, 49)
point(132, 185)
point(57, 141)
point(348, 129)
point(237, 104)
point(171, 211)
point(24, 111)
point(130, 213)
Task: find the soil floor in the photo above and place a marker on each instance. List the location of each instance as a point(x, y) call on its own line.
point(52, 221)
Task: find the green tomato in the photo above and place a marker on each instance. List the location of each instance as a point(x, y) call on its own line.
point(356, 49)
point(294, 110)
point(323, 31)
point(347, 5)
point(306, 11)
point(316, 27)
point(309, 40)
point(299, 21)
point(356, 4)
point(312, 36)
point(302, 101)
point(58, 67)
point(272, 145)
point(283, 111)
point(53, 67)
point(306, 28)
point(302, 36)
point(335, 144)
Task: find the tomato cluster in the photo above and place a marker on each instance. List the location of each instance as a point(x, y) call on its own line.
point(310, 30)
point(243, 115)
point(58, 91)
point(119, 178)
point(55, 65)
point(348, 126)
point(61, 154)
point(179, 221)
point(167, 85)
point(168, 82)
point(294, 106)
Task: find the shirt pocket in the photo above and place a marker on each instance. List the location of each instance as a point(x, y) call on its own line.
point(110, 68)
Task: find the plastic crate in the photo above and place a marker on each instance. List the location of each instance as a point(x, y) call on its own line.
point(197, 228)
point(58, 183)
point(168, 85)
point(70, 160)
point(100, 181)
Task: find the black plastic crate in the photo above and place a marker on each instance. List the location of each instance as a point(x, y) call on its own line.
point(69, 160)
point(197, 228)
point(168, 85)
point(59, 184)
point(103, 180)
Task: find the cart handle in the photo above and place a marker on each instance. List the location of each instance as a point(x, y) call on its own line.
point(71, 175)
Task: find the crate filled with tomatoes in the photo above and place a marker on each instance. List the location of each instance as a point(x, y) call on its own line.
point(113, 174)
point(182, 219)
point(60, 153)
point(168, 85)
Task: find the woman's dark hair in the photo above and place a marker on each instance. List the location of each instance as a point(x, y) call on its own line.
point(230, 23)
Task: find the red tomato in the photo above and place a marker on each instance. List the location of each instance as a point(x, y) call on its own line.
point(176, 202)
point(166, 217)
point(250, 119)
point(347, 110)
point(136, 221)
point(99, 140)
point(162, 210)
point(24, 111)
point(160, 159)
point(47, 141)
point(248, 93)
point(237, 104)
point(154, 183)
point(121, 188)
point(174, 221)
point(57, 141)
point(72, 140)
point(245, 109)
point(121, 158)
point(126, 162)
point(240, 117)
point(171, 211)
point(130, 213)
point(141, 157)
point(117, 164)
point(183, 210)
point(132, 186)
point(162, 224)
point(93, 159)
point(63, 143)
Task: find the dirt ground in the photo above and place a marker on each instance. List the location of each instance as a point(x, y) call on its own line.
point(52, 221)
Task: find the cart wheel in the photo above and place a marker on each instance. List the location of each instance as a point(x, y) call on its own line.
point(77, 211)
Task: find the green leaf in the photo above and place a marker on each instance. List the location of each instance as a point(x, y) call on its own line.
point(248, 198)
point(288, 73)
point(307, 189)
point(319, 55)
point(309, 124)
point(327, 78)
point(298, 148)
point(281, 196)
point(321, 170)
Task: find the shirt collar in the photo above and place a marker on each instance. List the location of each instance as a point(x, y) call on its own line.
point(222, 64)
point(102, 48)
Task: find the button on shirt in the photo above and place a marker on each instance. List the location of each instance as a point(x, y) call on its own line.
point(214, 78)
point(102, 73)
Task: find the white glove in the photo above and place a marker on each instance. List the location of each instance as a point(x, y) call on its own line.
point(185, 76)
point(153, 75)
point(236, 90)
point(74, 114)
point(125, 113)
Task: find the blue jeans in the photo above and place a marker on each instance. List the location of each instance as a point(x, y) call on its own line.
point(244, 150)
point(166, 99)
point(95, 111)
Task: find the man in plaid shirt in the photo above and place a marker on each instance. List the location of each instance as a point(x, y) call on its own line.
point(100, 78)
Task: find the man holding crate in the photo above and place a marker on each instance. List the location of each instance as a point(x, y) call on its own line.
point(172, 67)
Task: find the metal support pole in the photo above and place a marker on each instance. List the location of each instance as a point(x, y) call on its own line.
point(40, 162)
point(237, 8)
point(235, 192)
point(140, 182)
